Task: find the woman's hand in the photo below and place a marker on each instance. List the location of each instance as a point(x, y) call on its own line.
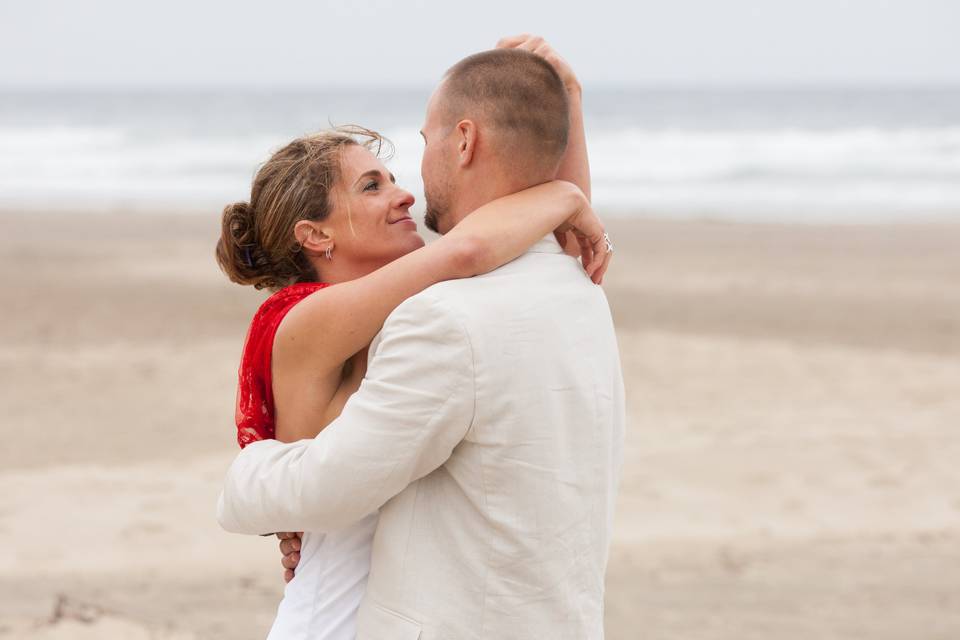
point(595, 251)
point(539, 46)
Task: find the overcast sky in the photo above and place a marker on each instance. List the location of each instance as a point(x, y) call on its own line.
point(290, 43)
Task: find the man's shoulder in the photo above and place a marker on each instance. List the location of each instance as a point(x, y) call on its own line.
point(538, 279)
point(427, 319)
point(436, 308)
point(444, 298)
point(438, 297)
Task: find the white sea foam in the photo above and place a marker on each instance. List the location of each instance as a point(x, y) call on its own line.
point(859, 173)
point(186, 152)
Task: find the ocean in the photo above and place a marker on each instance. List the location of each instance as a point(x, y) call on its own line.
point(797, 155)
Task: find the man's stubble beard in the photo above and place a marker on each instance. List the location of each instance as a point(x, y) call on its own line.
point(431, 218)
point(436, 209)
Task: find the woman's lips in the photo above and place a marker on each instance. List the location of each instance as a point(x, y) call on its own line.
point(407, 219)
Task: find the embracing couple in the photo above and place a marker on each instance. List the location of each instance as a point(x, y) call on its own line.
point(444, 423)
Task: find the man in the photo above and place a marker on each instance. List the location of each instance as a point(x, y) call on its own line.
point(488, 430)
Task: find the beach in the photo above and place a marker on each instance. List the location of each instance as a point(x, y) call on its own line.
point(790, 467)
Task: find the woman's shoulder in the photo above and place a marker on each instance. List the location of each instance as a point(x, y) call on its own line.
point(268, 321)
point(285, 306)
point(297, 318)
point(285, 299)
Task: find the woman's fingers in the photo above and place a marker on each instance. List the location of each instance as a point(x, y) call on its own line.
point(287, 575)
point(596, 257)
point(532, 44)
point(607, 256)
point(289, 545)
point(586, 254)
point(539, 46)
point(290, 561)
point(592, 242)
point(546, 52)
point(595, 254)
point(599, 249)
point(592, 239)
point(604, 253)
point(510, 42)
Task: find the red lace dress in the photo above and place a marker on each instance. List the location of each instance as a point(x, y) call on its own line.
point(255, 408)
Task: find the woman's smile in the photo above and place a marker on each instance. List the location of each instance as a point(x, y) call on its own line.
point(404, 219)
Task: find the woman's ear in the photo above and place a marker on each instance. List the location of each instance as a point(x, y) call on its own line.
point(466, 142)
point(311, 236)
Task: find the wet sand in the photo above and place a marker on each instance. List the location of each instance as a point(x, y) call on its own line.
point(790, 470)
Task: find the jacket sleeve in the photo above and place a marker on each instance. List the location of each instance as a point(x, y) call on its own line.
point(414, 406)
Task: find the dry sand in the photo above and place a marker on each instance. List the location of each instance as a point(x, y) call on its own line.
point(791, 466)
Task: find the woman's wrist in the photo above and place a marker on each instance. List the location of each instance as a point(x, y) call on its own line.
point(575, 200)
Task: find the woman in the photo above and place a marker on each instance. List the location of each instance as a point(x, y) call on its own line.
point(306, 350)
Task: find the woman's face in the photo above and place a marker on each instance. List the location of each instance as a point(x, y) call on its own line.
point(370, 219)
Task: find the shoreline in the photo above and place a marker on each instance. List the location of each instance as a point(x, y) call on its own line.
point(613, 214)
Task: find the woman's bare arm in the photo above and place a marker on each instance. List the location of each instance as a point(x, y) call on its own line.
point(328, 327)
point(575, 164)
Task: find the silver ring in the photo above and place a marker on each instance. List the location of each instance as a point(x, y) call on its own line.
point(606, 238)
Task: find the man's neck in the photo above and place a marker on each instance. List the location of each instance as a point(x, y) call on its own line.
point(483, 190)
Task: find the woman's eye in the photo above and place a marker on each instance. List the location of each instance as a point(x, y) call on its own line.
point(370, 185)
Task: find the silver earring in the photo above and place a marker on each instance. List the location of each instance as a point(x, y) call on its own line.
point(328, 253)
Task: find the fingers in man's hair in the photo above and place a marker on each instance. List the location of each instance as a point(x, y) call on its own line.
point(509, 42)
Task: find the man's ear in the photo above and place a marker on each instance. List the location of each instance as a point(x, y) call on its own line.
point(466, 142)
point(312, 236)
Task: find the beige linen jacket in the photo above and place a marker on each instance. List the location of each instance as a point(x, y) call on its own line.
point(488, 432)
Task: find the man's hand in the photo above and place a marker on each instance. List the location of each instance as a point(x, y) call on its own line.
point(290, 549)
point(539, 46)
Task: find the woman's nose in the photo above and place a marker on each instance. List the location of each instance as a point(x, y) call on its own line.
point(404, 200)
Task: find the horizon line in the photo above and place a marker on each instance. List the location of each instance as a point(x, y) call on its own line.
point(417, 87)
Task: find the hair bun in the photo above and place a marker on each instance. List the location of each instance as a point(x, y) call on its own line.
point(238, 253)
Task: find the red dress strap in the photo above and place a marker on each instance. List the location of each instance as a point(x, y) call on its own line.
point(255, 409)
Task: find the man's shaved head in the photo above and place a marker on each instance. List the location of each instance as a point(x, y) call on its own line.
point(517, 95)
